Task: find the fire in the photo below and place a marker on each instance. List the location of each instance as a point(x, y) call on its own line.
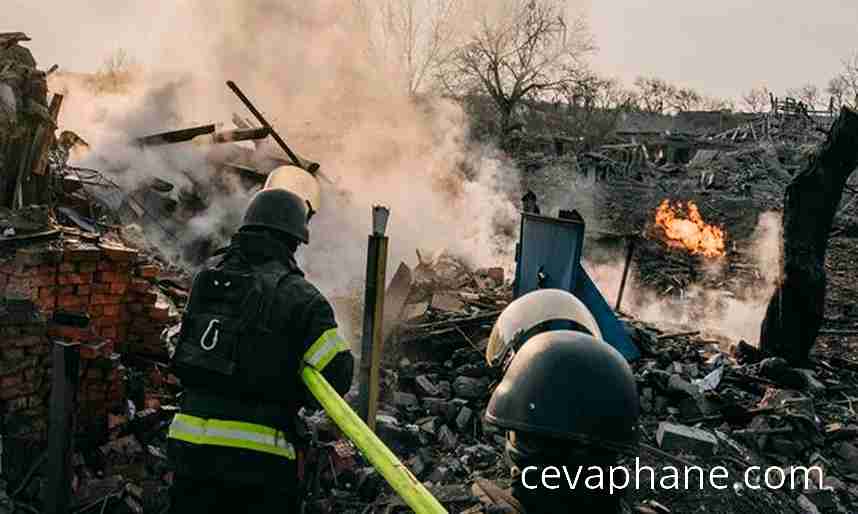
point(689, 232)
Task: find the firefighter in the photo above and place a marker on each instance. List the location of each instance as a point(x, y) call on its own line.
point(251, 323)
point(567, 398)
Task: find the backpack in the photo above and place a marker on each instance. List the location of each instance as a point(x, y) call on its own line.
point(227, 309)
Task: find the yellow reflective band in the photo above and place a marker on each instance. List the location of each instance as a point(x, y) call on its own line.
point(234, 434)
point(326, 347)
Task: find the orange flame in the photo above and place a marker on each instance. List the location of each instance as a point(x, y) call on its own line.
point(689, 232)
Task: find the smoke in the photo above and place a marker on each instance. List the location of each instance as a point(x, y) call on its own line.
point(310, 67)
point(731, 314)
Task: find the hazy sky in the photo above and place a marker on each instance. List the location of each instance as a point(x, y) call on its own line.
point(720, 47)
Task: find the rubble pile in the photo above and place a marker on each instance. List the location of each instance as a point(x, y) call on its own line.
point(435, 387)
point(712, 405)
point(704, 403)
point(51, 268)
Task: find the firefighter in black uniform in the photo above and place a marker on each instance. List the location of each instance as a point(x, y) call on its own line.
point(251, 323)
point(567, 398)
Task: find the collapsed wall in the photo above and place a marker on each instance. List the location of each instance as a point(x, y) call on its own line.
point(106, 281)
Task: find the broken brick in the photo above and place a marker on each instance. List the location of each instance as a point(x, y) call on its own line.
point(105, 299)
point(87, 267)
point(118, 253)
point(100, 288)
point(106, 266)
point(74, 278)
point(139, 285)
point(70, 301)
point(111, 277)
point(118, 288)
point(82, 253)
point(147, 271)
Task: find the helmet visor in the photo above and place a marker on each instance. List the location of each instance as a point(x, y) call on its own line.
point(297, 181)
point(535, 312)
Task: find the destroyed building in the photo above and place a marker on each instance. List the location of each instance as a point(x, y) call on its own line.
point(708, 399)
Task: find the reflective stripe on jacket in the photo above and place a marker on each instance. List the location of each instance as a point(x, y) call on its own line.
point(324, 349)
point(235, 434)
point(252, 436)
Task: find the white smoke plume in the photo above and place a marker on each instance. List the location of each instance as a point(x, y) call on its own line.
point(309, 67)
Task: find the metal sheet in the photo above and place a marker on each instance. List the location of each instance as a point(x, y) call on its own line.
point(613, 331)
point(551, 247)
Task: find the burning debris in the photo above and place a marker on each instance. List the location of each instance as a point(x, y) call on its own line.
point(683, 227)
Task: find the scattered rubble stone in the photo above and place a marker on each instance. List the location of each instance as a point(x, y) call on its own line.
point(686, 439)
point(777, 369)
point(468, 387)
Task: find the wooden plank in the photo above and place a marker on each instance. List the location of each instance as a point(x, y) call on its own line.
point(41, 161)
point(175, 136)
point(394, 300)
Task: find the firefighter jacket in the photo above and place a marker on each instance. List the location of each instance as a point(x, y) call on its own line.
point(238, 415)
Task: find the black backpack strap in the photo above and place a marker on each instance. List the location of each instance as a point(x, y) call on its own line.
point(271, 283)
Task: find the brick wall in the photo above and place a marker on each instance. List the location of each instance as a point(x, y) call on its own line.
point(24, 370)
point(108, 282)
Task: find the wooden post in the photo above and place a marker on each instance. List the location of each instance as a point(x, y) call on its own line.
point(373, 318)
point(66, 361)
point(630, 250)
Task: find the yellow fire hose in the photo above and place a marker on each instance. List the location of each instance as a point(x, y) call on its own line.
point(397, 475)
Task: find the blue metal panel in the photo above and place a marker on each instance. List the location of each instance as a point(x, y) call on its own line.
point(613, 331)
point(551, 246)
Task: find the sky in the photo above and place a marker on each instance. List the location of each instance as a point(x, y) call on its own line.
point(721, 48)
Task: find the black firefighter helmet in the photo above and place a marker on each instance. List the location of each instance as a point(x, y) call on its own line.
point(570, 386)
point(280, 210)
point(287, 201)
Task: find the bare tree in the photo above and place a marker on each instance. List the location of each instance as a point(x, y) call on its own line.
point(843, 88)
point(711, 103)
point(757, 99)
point(837, 90)
point(528, 49)
point(595, 106)
point(685, 99)
point(412, 37)
point(654, 95)
point(589, 92)
point(657, 96)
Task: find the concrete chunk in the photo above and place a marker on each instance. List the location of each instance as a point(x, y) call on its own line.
point(470, 388)
point(405, 400)
point(681, 438)
point(427, 386)
point(464, 418)
point(447, 302)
